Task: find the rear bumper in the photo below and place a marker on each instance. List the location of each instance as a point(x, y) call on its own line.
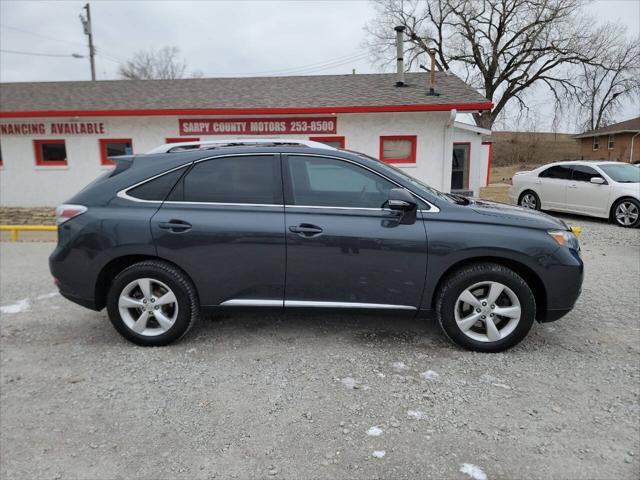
point(84, 302)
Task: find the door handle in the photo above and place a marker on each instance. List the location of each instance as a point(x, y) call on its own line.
point(573, 185)
point(306, 230)
point(176, 226)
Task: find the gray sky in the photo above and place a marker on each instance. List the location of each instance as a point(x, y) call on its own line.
point(218, 38)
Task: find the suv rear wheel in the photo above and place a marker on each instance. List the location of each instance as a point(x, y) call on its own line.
point(485, 307)
point(152, 303)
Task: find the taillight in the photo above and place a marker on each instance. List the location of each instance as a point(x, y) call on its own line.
point(67, 212)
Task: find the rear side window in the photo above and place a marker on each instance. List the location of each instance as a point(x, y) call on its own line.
point(582, 173)
point(158, 188)
point(251, 179)
point(561, 172)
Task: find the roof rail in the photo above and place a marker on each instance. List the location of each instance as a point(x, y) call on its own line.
point(251, 142)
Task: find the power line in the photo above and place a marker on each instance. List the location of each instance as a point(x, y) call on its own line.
point(38, 54)
point(40, 35)
point(301, 69)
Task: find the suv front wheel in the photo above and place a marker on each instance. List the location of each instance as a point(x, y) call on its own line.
point(485, 307)
point(152, 303)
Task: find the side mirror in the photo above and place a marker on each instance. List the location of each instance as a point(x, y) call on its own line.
point(598, 180)
point(402, 201)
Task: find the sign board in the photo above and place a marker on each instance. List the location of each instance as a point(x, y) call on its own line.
point(258, 126)
point(55, 128)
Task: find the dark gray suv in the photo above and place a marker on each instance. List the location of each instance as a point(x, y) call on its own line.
point(298, 225)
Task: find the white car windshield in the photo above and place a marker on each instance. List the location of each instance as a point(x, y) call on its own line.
point(622, 173)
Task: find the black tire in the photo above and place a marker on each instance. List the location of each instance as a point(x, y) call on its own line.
point(182, 287)
point(532, 195)
point(460, 280)
point(619, 221)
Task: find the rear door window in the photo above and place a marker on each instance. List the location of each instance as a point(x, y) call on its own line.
point(251, 179)
point(559, 172)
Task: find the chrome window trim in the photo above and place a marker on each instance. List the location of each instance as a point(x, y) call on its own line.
point(124, 192)
point(250, 302)
point(432, 207)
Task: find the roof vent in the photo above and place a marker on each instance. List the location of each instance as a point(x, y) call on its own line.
point(400, 55)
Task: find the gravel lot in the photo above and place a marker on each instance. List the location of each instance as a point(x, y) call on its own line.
point(284, 396)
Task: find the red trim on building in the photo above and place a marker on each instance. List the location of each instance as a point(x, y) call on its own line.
point(37, 146)
point(335, 138)
point(489, 161)
point(104, 158)
point(183, 139)
point(464, 107)
point(412, 138)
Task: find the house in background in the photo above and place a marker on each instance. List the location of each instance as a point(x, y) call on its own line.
point(620, 141)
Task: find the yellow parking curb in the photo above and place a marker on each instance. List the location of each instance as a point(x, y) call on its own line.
point(14, 229)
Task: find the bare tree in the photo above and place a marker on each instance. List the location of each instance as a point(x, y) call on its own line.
point(162, 64)
point(504, 48)
point(602, 88)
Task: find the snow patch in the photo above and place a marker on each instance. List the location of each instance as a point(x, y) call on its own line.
point(417, 414)
point(501, 385)
point(349, 382)
point(375, 431)
point(20, 306)
point(399, 366)
point(430, 375)
point(47, 295)
point(473, 471)
point(379, 453)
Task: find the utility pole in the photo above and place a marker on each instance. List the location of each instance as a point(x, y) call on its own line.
point(86, 24)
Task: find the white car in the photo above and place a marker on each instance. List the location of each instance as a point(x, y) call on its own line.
point(596, 188)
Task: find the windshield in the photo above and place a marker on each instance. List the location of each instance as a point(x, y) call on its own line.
point(623, 173)
point(414, 181)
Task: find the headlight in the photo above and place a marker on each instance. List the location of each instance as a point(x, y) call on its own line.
point(565, 238)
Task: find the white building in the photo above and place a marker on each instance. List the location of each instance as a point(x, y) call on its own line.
point(55, 137)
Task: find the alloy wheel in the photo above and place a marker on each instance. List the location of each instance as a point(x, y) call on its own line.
point(487, 311)
point(627, 213)
point(529, 201)
point(148, 307)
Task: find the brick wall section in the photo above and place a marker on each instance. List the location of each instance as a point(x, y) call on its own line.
point(27, 216)
point(621, 148)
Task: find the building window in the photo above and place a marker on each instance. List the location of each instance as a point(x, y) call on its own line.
point(460, 163)
point(50, 153)
point(179, 140)
point(335, 142)
point(595, 145)
point(610, 142)
point(1, 161)
point(113, 147)
point(398, 149)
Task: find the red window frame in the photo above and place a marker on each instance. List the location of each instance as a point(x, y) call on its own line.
point(104, 158)
point(40, 162)
point(335, 138)
point(412, 138)
point(178, 139)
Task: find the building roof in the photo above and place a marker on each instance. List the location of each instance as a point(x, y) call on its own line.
point(632, 125)
point(246, 95)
